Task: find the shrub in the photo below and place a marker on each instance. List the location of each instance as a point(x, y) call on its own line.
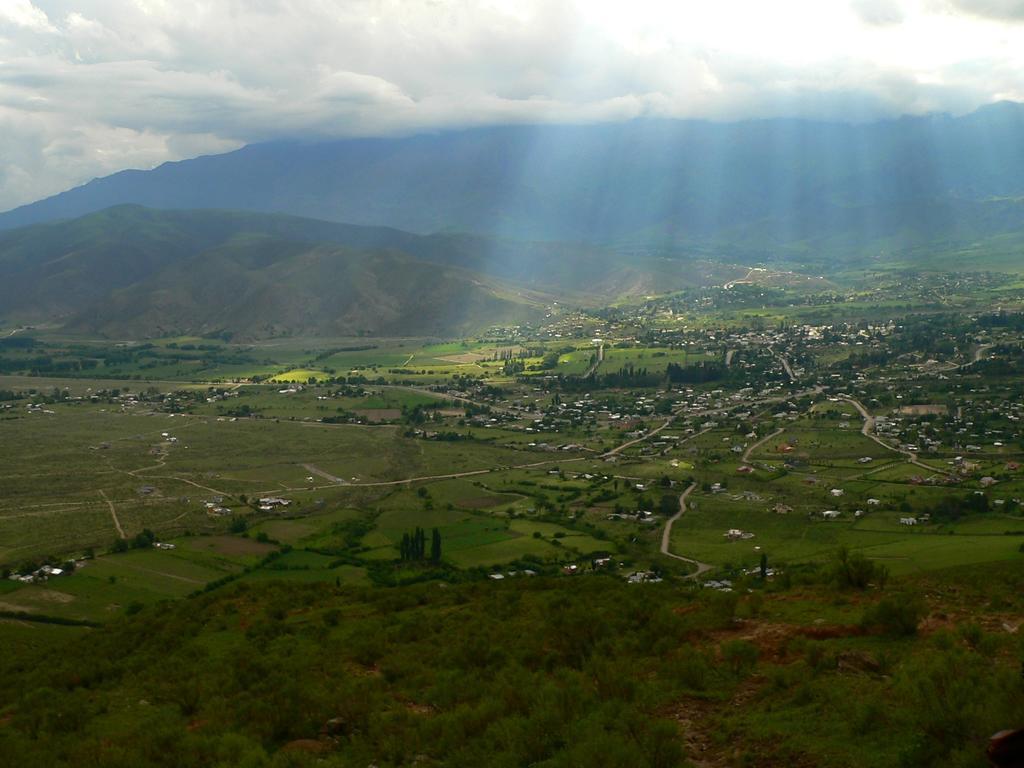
point(852, 570)
point(740, 655)
point(897, 616)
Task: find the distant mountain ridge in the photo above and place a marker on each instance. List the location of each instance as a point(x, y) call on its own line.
point(794, 186)
point(135, 272)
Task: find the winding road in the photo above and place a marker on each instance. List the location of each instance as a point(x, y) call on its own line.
point(666, 538)
point(753, 447)
point(981, 350)
point(641, 439)
point(868, 430)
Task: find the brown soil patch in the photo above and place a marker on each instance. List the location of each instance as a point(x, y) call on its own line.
point(830, 632)
point(692, 716)
point(380, 414)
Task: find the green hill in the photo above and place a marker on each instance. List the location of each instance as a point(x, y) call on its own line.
point(547, 672)
point(130, 271)
point(136, 272)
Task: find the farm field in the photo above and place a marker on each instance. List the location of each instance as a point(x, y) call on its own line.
point(514, 460)
point(793, 538)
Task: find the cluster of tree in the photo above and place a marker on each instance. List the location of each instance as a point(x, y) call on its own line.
point(512, 367)
point(413, 547)
point(144, 539)
point(859, 360)
point(551, 358)
point(1002, 319)
point(952, 507)
point(420, 413)
point(701, 373)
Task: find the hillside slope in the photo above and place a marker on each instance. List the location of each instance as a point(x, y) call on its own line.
point(131, 271)
point(134, 272)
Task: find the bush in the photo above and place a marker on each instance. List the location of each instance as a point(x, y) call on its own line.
point(896, 616)
point(852, 570)
point(740, 655)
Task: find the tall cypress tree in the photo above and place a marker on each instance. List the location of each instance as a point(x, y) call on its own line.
point(418, 538)
point(435, 546)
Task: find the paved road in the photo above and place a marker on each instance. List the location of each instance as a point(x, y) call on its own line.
point(666, 537)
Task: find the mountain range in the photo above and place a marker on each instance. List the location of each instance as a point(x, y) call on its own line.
point(762, 188)
point(131, 272)
point(458, 230)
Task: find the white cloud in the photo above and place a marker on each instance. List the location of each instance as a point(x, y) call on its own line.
point(1008, 10)
point(878, 12)
point(88, 87)
point(22, 14)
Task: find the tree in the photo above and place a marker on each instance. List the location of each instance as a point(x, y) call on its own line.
point(852, 570)
point(435, 546)
point(144, 539)
point(764, 565)
point(669, 504)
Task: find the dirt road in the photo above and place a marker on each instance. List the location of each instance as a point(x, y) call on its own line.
point(868, 430)
point(113, 514)
point(666, 538)
point(325, 475)
point(596, 364)
point(759, 443)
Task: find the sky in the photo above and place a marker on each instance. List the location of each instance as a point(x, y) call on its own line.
point(90, 87)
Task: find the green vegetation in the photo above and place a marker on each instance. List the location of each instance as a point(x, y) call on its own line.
point(533, 671)
point(367, 549)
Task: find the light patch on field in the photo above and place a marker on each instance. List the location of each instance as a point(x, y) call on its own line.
point(300, 375)
point(463, 359)
point(924, 409)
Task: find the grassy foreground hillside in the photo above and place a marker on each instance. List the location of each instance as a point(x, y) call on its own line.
point(548, 672)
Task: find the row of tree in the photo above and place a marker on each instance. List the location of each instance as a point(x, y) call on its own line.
point(413, 547)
